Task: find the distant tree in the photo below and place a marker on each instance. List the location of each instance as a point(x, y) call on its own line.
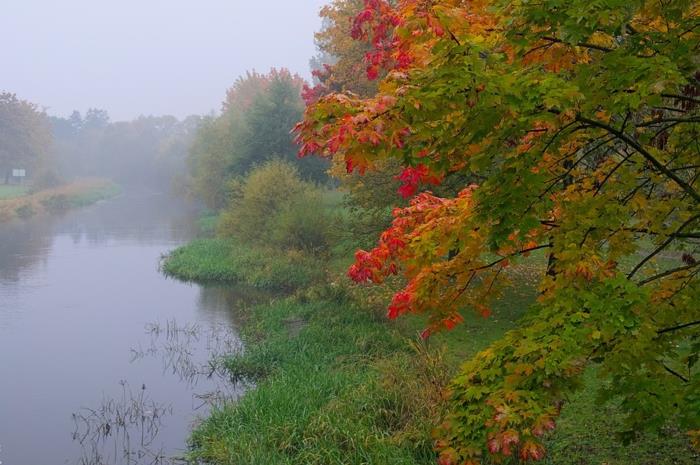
point(255, 126)
point(95, 118)
point(149, 151)
point(268, 124)
point(340, 65)
point(25, 136)
point(76, 121)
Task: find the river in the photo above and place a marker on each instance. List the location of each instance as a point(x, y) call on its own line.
point(103, 360)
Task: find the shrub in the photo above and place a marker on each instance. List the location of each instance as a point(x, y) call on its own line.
point(273, 206)
point(56, 202)
point(25, 211)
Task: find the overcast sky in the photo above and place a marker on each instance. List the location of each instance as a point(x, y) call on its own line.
point(156, 57)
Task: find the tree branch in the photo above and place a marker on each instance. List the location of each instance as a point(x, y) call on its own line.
point(676, 374)
point(676, 328)
point(643, 152)
point(661, 247)
point(579, 44)
point(667, 273)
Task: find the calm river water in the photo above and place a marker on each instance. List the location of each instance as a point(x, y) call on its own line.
point(102, 359)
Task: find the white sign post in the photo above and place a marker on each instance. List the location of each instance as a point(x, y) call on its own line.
point(19, 173)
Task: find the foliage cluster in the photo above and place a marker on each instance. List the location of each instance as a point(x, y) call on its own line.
point(274, 207)
point(573, 128)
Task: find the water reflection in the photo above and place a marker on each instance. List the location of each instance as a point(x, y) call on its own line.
point(125, 429)
point(122, 430)
point(87, 320)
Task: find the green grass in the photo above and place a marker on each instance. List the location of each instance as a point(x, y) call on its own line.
point(322, 394)
point(587, 434)
point(12, 192)
point(216, 260)
point(336, 383)
point(90, 196)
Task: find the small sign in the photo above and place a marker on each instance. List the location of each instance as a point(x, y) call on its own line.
point(19, 173)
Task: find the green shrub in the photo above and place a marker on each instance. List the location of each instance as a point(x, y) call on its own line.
point(25, 211)
point(303, 223)
point(57, 202)
point(274, 207)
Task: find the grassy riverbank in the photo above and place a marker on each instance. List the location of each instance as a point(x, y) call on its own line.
point(216, 260)
point(337, 383)
point(76, 194)
point(12, 192)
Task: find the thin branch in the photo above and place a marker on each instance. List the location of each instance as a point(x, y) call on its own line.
point(642, 151)
point(676, 328)
point(515, 254)
point(579, 44)
point(661, 247)
point(681, 97)
point(676, 374)
point(668, 273)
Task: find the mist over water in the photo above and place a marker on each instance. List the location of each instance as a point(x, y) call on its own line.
point(104, 360)
point(89, 326)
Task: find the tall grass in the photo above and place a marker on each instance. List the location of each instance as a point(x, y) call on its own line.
point(322, 395)
point(336, 383)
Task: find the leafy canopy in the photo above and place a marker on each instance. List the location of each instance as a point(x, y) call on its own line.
point(578, 123)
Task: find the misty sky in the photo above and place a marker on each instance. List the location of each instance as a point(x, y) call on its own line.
point(135, 57)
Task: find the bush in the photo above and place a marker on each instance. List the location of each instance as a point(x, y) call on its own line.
point(25, 211)
point(56, 202)
point(302, 223)
point(274, 207)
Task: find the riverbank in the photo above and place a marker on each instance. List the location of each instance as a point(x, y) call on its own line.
point(22, 204)
point(337, 383)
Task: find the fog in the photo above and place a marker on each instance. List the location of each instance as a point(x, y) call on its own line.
point(125, 128)
point(148, 57)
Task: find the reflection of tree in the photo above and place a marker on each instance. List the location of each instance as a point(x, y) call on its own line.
point(144, 217)
point(149, 219)
point(22, 245)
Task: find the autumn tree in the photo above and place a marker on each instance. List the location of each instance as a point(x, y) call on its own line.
point(341, 62)
point(341, 66)
point(24, 135)
point(576, 124)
